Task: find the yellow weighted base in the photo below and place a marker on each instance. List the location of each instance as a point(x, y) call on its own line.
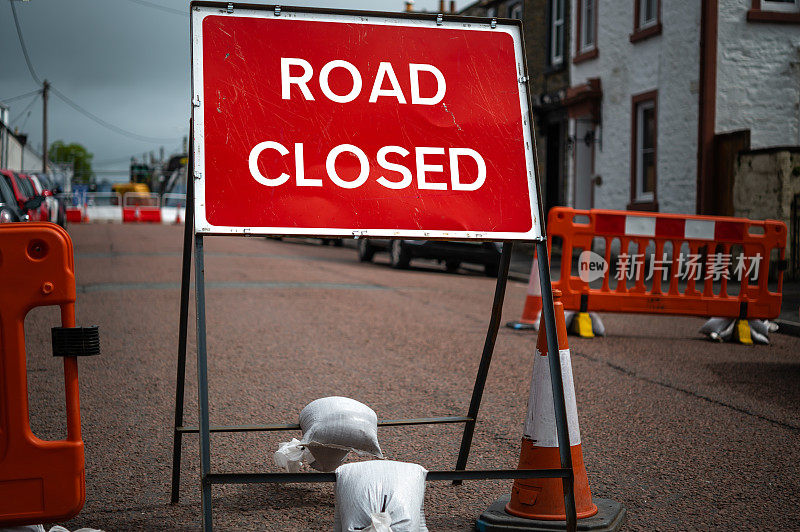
point(582, 325)
point(743, 332)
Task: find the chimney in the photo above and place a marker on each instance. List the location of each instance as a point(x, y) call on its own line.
point(452, 6)
point(441, 6)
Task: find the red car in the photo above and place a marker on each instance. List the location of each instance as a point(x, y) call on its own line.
point(29, 202)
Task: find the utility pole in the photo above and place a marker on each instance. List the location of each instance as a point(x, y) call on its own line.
point(45, 90)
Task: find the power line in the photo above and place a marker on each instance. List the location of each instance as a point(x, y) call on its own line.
point(71, 103)
point(22, 44)
point(21, 96)
point(159, 7)
point(109, 125)
point(26, 110)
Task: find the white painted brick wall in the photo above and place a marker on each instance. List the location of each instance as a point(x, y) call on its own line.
point(758, 77)
point(668, 62)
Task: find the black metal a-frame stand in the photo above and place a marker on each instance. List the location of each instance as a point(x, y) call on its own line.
point(459, 474)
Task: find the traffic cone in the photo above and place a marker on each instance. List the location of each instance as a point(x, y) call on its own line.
point(537, 504)
point(178, 216)
point(533, 302)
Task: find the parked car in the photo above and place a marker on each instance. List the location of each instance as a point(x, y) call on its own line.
point(452, 254)
point(35, 192)
point(56, 212)
point(27, 200)
point(9, 210)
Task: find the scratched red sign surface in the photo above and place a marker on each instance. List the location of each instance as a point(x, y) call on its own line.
point(333, 124)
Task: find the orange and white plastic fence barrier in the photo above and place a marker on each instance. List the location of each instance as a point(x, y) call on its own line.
point(130, 207)
point(141, 207)
point(668, 264)
point(103, 207)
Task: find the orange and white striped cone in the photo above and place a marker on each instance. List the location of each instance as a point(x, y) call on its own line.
point(535, 504)
point(532, 312)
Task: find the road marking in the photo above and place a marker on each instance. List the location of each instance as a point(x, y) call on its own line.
point(122, 287)
point(123, 254)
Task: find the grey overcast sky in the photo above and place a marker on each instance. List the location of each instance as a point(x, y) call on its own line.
point(125, 61)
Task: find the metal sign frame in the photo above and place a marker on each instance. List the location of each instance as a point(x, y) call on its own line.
point(193, 237)
point(201, 10)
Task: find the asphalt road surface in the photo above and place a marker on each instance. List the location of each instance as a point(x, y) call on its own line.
point(688, 434)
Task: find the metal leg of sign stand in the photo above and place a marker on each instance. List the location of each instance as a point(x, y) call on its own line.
point(562, 430)
point(486, 359)
point(202, 382)
point(177, 437)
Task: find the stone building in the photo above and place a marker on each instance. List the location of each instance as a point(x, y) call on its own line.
point(665, 96)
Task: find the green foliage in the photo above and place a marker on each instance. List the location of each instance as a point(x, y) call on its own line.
point(75, 154)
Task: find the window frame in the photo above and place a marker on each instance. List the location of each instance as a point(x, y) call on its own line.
point(780, 7)
point(584, 52)
point(553, 60)
point(643, 200)
point(776, 12)
point(643, 31)
point(512, 8)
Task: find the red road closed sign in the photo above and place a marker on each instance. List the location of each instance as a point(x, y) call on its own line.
point(339, 123)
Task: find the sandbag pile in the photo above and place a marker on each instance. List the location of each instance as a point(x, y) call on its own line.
point(722, 330)
point(371, 496)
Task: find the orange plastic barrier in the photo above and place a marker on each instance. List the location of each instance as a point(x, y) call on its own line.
point(40, 481)
point(667, 263)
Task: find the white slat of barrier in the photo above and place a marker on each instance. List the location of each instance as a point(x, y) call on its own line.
point(103, 207)
point(640, 226)
point(699, 229)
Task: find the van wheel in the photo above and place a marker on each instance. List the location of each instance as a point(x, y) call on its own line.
point(399, 257)
point(452, 266)
point(365, 250)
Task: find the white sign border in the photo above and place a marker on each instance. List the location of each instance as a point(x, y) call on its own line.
point(201, 224)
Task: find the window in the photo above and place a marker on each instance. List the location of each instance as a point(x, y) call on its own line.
point(780, 11)
point(646, 19)
point(515, 11)
point(785, 6)
point(586, 31)
point(556, 32)
point(648, 13)
point(644, 140)
point(586, 39)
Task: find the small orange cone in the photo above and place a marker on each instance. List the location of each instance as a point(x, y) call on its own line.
point(538, 504)
point(544, 498)
point(533, 302)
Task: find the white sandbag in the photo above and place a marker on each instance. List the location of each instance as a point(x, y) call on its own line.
point(380, 496)
point(759, 331)
point(716, 325)
point(332, 427)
